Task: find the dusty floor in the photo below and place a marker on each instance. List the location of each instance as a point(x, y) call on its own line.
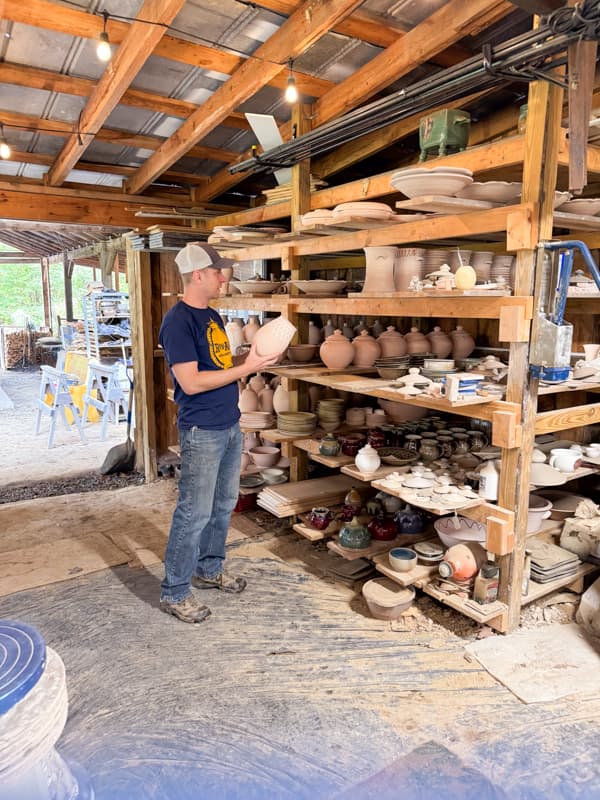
point(26, 458)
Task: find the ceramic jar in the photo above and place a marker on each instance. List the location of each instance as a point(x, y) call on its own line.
point(366, 350)
point(354, 535)
point(379, 274)
point(351, 444)
point(328, 329)
point(367, 460)
point(376, 329)
point(439, 342)
point(374, 506)
point(320, 518)
point(429, 450)
point(315, 393)
point(248, 400)
point(265, 399)
point(376, 438)
point(353, 500)
point(416, 342)
point(281, 399)
point(314, 333)
point(336, 352)
point(251, 328)
point(463, 343)
point(329, 445)
point(392, 343)
point(235, 334)
point(462, 561)
point(382, 528)
point(408, 520)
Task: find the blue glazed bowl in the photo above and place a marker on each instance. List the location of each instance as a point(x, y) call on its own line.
point(402, 559)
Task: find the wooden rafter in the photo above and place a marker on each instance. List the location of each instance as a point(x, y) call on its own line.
point(447, 25)
point(48, 15)
point(131, 56)
point(297, 33)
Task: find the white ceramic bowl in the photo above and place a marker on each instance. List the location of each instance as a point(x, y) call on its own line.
point(492, 191)
point(539, 510)
point(265, 456)
point(401, 412)
point(563, 503)
point(320, 286)
point(434, 183)
point(582, 205)
point(256, 287)
point(402, 559)
point(455, 530)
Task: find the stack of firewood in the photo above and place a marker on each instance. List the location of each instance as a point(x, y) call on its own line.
point(19, 348)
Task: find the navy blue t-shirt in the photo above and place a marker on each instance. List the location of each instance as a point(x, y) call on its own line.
point(198, 334)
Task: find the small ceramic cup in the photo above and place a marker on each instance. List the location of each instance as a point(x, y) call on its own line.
point(566, 461)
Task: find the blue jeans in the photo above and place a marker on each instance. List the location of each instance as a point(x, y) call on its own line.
point(208, 493)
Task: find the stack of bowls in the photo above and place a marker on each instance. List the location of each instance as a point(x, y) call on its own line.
point(503, 267)
point(330, 413)
point(437, 368)
point(293, 423)
point(421, 181)
point(392, 366)
point(434, 258)
point(481, 261)
point(355, 417)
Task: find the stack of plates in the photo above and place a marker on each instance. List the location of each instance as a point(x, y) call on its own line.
point(392, 366)
point(420, 181)
point(549, 561)
point(320, 216)
point(418, 359)
point(363, 208)
point(330, 413)
point(293, 423)
point(259, 420)
point(493, 191)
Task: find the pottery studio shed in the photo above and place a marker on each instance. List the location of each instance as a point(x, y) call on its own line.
point(410, 192)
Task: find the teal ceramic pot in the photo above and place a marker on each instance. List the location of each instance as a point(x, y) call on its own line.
point(329, 445)
point(354, 536)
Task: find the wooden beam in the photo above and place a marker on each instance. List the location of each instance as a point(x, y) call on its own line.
point(68, 283)
point(52, 127)
point(450, 23)
point(46, 293)
point(34, 78)
point(131, 56)
point(51, 16)
point(298, 33)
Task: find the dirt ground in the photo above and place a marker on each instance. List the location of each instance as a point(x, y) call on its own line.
point(28, 467)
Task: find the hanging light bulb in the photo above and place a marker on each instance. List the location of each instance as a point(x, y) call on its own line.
point(103, 49)
point(4, 145)
point(291, 93)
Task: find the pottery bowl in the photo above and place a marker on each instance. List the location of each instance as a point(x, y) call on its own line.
point(539, 510)
point(455, 530)
point(391, 373)
point(397, 456)
point(301, 353)
point(581, 205)
point(563, 503)
point(401, 412)
point(385, 599)
point(257, 287)
point(402, 559)
point(432, 183)
point(327, 287)
point(492, 191)
point(272, 475)
point(265, 456)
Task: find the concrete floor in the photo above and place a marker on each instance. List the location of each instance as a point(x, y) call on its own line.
point(291, 690)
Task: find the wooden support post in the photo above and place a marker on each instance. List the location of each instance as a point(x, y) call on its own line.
point(46, 295)
point(514, 325)
point(140, 299)
point(542, 139)
point(68, 280)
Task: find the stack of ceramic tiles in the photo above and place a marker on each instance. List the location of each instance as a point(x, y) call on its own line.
point(550, 562)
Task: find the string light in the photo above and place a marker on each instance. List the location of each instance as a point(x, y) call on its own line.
point(291, 92)
point(4, 146)
point(104, 50)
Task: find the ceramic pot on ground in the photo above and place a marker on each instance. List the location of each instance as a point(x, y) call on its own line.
point(463, 343)
point(354, 535)
point(439, 342)
point(314, 333)
point(382, 528)
point(462, 561)
point(281, 399)
point(379, 274)
point(416, 342)
point(336, 352)
point(392, 343)
point(251, 328)
point(366, 350)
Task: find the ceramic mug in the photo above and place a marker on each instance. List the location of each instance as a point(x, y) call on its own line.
point(592, 451)
point(567, 461)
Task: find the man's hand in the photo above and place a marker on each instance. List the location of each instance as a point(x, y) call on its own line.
point(254, 362)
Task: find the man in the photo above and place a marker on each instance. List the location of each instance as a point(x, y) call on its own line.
point(201, 365)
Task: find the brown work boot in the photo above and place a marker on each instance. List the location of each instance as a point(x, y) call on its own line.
point(188, 610)
point(223, 581)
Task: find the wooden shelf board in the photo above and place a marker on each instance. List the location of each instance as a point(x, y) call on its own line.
point(314, 535)
point(353, 471)
point(576, 222)
point(374, 548)
point(537, 590)
point(407, 497)
point(566, 418)
point(485, 614)
point(241, 302)
point(275, 436)
point(416, 576)
point(571, 386)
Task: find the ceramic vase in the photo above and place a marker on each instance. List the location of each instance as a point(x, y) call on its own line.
point(392, 343)
point(463, 343)
point(409, 264)
point(315, 393)
point(281, 399)
point(328, 329)
point(366, 350)
point(376, 329)
point(251, 328)
point(314, 333)
point(265, 399)
point(439, 342)
point(274, 337)
point(354, 536)
point(235, 334)
point(336, 352)
point(248, 400)
point(347, 330)
point(379, 274)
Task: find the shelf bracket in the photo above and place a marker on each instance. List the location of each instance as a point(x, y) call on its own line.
point(514, 325)
point(506, 430)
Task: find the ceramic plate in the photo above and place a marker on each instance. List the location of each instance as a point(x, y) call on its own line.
point(250, 481)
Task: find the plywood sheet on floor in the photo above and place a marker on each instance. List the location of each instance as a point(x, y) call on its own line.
point(51, 539)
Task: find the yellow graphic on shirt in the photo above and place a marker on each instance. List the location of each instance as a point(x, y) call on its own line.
point(218, 346)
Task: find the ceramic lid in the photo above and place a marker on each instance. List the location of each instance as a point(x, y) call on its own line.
point(385, 592)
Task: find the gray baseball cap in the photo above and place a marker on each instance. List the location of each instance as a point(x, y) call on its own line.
point(197, 255)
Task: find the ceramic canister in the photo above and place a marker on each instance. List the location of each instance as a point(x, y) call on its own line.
point(336, 352)
point(366, 350)
point(392, 343)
